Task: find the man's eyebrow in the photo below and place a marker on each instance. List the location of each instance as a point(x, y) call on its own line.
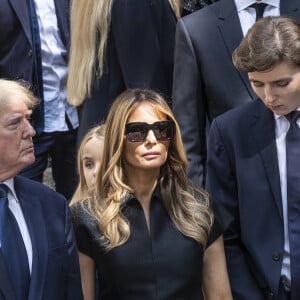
point(271, 82)
point(14, 116)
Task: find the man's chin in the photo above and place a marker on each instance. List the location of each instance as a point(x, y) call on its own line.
point(28, 160)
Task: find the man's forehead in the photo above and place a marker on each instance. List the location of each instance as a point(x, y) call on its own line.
point(14, 110)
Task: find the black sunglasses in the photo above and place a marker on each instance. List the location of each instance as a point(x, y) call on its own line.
point(138, 131)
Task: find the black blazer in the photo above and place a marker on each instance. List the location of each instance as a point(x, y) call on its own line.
point(206, 84)
point(139, 54)
point(244, 177)
point(16, 51)
point(55, 268)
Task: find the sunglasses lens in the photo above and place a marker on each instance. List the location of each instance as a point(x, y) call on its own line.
point(163, 131)
point(136, 133)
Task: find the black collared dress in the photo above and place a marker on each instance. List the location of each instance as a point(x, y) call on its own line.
point(160, 264)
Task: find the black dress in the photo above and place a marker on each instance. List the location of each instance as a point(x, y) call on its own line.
point(162, 264)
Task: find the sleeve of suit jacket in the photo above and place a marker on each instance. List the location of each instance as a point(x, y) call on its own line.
point(188, 104)
point(224, 190)
point(73, 283)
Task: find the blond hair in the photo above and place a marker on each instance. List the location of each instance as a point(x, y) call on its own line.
point(188, 208)
point(90, 22)
point(82, 192)
point(12, 89)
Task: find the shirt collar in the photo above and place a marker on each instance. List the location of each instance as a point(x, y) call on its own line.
point(280, 116)
point(130, 196)
point(11, 187)
point(243, 4)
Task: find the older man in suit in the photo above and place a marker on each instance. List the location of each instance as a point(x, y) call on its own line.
point(254, 166)
point(34, 38)
point(38, 255)
point(206, 84)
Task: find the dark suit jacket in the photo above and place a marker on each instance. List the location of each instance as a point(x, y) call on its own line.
point(139, 54)
point(16, 51)
point(206, 83)
point(55, 268)
point(243, 176)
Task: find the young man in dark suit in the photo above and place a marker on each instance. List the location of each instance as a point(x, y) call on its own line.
point(38, 255)
point(254, 166)
point(206, 84)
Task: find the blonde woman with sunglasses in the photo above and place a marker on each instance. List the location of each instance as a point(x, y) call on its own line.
point(146, 232)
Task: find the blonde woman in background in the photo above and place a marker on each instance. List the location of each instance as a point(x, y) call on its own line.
point(147, 233)
point(117, 45)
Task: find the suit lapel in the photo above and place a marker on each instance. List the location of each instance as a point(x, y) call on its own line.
point(21, 9)
point(33, 215)
point(230, 28)
point(263, 132)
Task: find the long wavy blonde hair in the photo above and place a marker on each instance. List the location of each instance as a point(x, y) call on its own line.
point(90, 22)
point(188, 208)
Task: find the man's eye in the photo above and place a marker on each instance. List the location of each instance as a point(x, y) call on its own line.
point(13, 124)
point(282, 83)
point(257, 84)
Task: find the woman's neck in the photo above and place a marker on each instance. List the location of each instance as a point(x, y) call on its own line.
point(143, 185)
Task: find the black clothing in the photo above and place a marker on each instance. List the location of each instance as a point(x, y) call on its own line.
point(189, 6)
point(139, 54)
point(162, 264)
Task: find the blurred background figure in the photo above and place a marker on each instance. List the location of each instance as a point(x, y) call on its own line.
point(117, 45)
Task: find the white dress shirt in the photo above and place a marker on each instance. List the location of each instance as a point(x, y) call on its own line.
point(54, 70)
point(282, 126)
point(247, 15)
point(15, 207)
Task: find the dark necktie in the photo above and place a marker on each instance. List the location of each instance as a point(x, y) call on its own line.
point(293, 199)
point(259, 8)
point(37, 79)
point(13, 248)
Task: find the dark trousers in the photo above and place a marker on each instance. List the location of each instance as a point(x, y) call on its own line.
point(61, 147)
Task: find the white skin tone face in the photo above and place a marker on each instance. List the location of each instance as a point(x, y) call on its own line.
point(92, 156)
point(16, 146)
point(278, 88)
point(150, 154)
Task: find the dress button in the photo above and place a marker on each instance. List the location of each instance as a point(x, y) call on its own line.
point(29, 53)
point(276, 256)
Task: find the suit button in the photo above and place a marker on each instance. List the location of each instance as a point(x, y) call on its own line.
point(276, 256)
point(29, 53)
